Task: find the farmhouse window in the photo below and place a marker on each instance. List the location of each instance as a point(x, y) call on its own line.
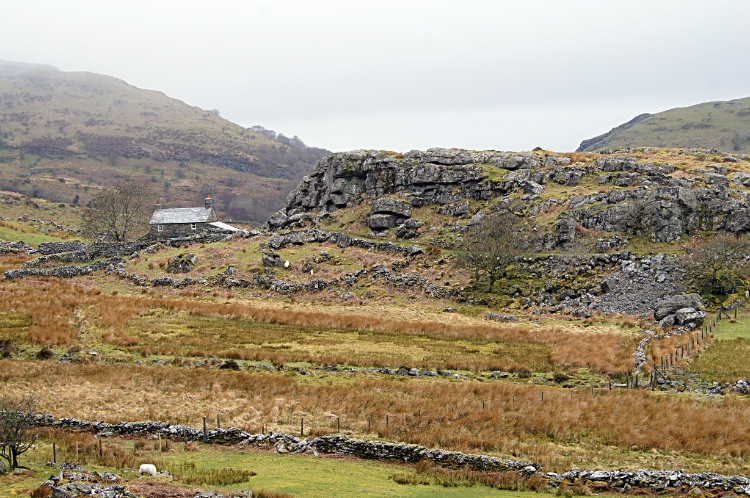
point(192, 226)
point(160, 228)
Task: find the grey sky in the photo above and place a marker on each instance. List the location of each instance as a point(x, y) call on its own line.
point(401, 75)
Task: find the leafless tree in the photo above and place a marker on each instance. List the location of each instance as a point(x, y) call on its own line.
point(490, 246)
point(16, 423)
point(120, 212)
point(722, 265)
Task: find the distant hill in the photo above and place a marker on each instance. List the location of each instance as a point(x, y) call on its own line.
point(713, 125)
point(56, 124)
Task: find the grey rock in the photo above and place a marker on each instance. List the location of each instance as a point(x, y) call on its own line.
point(391, 206)
point(715, 179)
point(667, 321)
point(670, 305)
point(477, 218)
point(278, 220)
point(689, 315)
point(566, 231)
point(272, 260)
point(457, 209)
point(276, 242)
point(382, 221)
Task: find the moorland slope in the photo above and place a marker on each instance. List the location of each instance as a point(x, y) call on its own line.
point(721, 125)
point(94, 130)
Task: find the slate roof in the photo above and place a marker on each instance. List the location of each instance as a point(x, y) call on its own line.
point(182, 215)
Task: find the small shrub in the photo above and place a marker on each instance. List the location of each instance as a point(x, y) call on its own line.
point(433, 250)
point(560, 377)
point(230, 365)
point(45, 354)
point(410, 478)
point(524, 373)
point(42, 491)
point(7, 348)
point(262, 493)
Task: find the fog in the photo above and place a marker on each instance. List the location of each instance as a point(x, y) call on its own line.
point(403, 75)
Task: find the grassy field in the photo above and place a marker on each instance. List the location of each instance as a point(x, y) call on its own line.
point(728, 357)
point(202, 467)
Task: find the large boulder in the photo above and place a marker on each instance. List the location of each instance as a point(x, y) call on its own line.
point(391, 206)
point(278, 220)
point(272, 259)
point(689, 315)
point(566, 231)
point(382, 221)
point(670, 305)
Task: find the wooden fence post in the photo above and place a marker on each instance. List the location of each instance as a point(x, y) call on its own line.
point(302, 426)
point(338, 425)
point(386, 420)
point(54, 453)
point(218, 421)
point(205, 431)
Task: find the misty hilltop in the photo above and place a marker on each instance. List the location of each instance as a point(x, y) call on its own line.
point(713, 125)
point(49, 118)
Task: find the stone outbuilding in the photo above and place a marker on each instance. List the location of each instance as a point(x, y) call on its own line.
point(184, 222)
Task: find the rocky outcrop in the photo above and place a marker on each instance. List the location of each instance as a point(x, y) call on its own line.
point(182, 263)
point(436, 176)
point(644, 199)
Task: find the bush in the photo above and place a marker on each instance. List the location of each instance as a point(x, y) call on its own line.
point(45, 354)
point(42, 491)
point(560, 377)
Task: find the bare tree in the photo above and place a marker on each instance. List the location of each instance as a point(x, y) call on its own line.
point(17, 418)
point(722, 265)
point(490, 246)
point(120, 211)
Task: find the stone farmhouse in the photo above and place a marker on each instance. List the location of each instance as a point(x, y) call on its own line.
point(184, 222)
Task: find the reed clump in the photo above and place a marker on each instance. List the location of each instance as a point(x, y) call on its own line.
point(501, 418)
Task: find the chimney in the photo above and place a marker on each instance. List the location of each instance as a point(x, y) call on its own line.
point(157, 206)
point(208, 201)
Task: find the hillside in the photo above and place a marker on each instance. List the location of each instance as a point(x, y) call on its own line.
point(64, 131)
point(355, 314)
point(711, 125)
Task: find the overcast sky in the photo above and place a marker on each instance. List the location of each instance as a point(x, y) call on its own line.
point(402, 75)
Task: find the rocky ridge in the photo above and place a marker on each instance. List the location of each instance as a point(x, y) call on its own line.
point(636, 196)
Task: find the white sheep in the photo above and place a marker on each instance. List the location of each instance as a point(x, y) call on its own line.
point(147, 468)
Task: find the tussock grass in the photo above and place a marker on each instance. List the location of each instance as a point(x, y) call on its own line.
point(515, 421)
point(54, 307)
point(426, 473)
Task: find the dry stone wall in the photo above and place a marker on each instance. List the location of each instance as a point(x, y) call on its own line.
point(655, 480)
